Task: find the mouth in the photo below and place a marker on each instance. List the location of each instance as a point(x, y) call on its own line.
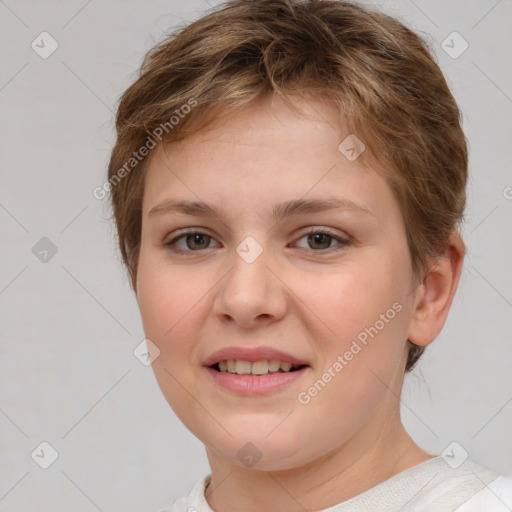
point(256, 368)
point(256, 378)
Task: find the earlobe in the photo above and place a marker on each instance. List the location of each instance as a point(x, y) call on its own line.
point(436, 292)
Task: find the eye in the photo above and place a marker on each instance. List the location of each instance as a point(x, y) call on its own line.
point(321, 239)
point(195, 241)
point(191, 241)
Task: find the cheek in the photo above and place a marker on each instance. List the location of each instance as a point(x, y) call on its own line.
point(173, 302)
point(366, 315)
point(352, 296)
point(164, 294)
point(170, 306)
point(155, 304)
point(366, 309)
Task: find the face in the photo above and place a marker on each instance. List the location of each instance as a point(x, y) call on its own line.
point(328, 287)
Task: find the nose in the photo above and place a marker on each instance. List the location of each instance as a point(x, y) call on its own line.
point(251, 292)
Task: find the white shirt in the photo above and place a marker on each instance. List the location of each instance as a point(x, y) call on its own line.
point(432, 486)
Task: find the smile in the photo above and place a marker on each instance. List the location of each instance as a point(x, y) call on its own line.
point(264, 367)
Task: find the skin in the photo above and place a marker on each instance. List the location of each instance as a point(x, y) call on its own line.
point(305, 297)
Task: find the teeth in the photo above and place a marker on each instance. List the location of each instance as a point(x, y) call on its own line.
point(286, 366)
point(243, 367)
point(274, 365)
point(257, 368)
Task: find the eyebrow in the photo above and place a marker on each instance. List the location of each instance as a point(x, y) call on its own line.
point(279, 211)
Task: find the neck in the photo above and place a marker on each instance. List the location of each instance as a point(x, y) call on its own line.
point(371, 457)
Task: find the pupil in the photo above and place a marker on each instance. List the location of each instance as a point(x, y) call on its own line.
point(196, 239)
point(321, 239)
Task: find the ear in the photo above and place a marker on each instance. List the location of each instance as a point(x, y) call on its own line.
point(435, 294)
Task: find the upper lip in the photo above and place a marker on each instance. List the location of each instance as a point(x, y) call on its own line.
point(251, 354)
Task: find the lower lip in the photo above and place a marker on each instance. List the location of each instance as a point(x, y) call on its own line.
point(255, 384)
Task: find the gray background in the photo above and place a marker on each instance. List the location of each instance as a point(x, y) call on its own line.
point(69, 325)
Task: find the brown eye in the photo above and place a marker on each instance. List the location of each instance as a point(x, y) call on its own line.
point(197, 241)
point(192, 241)
point(320, 240)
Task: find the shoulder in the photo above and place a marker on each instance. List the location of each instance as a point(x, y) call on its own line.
point(195, 501)
point(431, 485)
point(495, 496)
point(461, 488)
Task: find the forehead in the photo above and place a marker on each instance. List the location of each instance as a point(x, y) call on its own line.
point(264, 154)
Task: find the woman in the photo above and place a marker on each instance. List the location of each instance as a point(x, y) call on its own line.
point(287, 184)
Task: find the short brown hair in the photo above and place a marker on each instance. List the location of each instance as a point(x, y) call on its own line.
point(381, 75)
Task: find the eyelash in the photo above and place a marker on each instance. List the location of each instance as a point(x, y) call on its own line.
point(342, 242)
